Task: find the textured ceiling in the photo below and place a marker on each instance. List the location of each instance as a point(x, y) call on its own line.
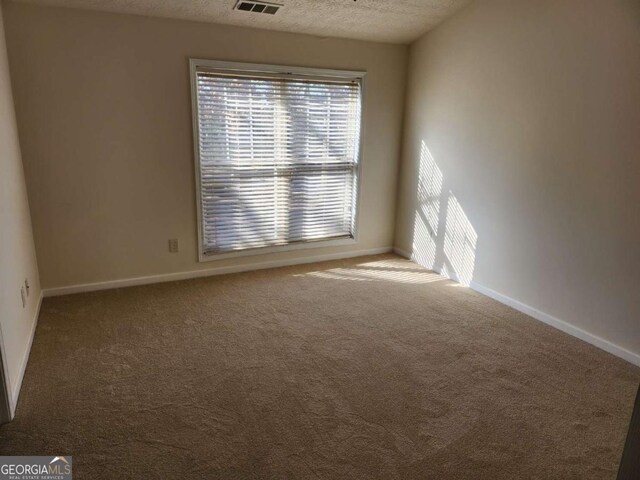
point(395, 21)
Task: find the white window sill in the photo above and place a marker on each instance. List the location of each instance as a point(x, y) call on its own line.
point(277, 249)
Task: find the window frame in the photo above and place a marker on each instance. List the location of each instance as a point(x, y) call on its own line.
point(279, 71)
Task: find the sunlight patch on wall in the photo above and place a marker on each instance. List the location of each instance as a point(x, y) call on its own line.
point(460, 241)
point(429, 188)
point(424, 243)
point(450, 250)
point(427, 210)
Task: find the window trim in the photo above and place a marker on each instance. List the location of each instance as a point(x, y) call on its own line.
point(280, 71)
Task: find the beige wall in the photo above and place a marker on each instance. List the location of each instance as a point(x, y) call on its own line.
point(529, 112)
point(17, 255)
point(103, 104)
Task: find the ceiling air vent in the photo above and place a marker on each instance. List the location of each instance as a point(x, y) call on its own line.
point(257, 7)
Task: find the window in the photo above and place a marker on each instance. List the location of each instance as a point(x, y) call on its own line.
point(277, 154)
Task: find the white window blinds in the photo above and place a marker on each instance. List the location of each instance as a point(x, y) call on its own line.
point(278, 159)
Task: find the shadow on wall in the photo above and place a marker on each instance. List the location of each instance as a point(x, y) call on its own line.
point(443, 238)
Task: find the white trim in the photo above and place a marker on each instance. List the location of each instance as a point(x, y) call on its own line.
point(280, 71)
point(25, 358)
point(242, 67)
point(566, 327)
point(171, 277)
point(251, 252)
point(6, 410)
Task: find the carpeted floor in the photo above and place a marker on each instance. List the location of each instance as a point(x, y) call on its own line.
point(369, 368)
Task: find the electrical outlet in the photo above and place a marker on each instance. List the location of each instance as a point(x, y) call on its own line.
point(173, 245)
point(26, 285)
point(24, 297)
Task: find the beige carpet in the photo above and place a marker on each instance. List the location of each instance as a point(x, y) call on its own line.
point(370, 368)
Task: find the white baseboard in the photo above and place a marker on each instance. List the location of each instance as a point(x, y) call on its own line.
point(15, 394)
point(170, 277)
point(566, 327)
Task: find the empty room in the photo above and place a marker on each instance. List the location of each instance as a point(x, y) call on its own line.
point(320, 239)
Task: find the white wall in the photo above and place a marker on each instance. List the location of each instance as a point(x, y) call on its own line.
point(17, 255)
point(527, 113)
point(103, 102)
